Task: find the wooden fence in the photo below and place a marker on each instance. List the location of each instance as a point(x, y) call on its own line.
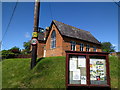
point(22, 56)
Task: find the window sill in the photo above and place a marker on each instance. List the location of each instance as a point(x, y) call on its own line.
point(53, 48)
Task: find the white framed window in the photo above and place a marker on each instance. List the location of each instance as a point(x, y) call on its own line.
point(94, 49)
point(53, 39)
point(73, 45)
point(81, 47)
point(87, 47)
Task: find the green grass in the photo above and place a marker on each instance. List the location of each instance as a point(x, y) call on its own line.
point(48, 73)
point(114, 71)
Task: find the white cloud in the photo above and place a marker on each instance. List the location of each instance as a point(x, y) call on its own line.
point(114, 44)
point(27, 35)
point(116, 47)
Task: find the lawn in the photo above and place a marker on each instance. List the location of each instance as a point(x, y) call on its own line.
point(114, 71)
point(48, 73)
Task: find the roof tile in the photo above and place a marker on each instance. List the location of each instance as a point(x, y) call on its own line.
point(74, 32)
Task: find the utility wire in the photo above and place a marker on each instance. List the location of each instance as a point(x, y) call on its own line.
point(1, 45)
point(10, 21)
point(116, 3)
point(51, 11)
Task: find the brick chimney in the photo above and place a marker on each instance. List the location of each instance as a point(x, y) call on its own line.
point(46, 32)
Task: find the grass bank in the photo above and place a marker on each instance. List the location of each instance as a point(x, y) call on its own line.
point(49, 73)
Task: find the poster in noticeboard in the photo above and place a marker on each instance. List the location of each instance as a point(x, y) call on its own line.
point(76, 74)
point(97, 69)
point(77, 70)
point(81, 61)
point(73, 65)
point(83, 79)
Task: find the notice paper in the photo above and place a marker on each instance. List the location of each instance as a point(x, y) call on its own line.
point(73, 65)
point(76, 74)
point(81, 61)
point(74, 57)
point(83, 79)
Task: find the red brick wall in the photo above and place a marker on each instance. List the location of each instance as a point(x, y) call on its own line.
point(54, 51)
point(40, 49)
point(67, 45)
point(62, 44)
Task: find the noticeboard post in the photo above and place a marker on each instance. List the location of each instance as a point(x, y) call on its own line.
point(87, 69)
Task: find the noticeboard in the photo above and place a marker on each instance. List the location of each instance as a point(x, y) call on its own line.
point(87, 69)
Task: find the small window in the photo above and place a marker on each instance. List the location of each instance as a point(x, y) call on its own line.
point(94, 49)
point(81, 47)
point(53, 39)
point(73, 45)
point(87, 47)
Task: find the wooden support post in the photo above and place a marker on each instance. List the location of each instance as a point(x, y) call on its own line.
point(36, 24)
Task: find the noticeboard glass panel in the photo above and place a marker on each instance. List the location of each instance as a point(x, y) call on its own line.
point(77, 70)
point(98, 71)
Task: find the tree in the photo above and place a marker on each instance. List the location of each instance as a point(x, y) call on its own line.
point(15, 50)
point(108, 47)
point(10, 53)
point(7, 54)
point(26, 45)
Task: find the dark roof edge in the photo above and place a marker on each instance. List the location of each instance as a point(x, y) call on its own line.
point(56, 27)
point(53, 21)
point(83, 40)
point(70, 26)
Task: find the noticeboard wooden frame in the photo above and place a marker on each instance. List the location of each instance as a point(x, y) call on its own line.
point(87, 54)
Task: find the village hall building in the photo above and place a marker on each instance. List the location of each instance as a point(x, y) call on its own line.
point(60, 37)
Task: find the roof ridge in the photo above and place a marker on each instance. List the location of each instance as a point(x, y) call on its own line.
point(71, 26)
point(75, 32)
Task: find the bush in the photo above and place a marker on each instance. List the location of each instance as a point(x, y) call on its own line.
point(7, 54)
point(15, 50)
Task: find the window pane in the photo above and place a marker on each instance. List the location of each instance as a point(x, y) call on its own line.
point(87, 47)
point(73, 44)
point(53, 39)
point(53, 44)
point(81, 46)
point(77, 70)
point(73, 47)
point(94, 49)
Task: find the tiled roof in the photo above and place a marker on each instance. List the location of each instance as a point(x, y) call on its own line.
point(73, 32)
point(41, 36)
